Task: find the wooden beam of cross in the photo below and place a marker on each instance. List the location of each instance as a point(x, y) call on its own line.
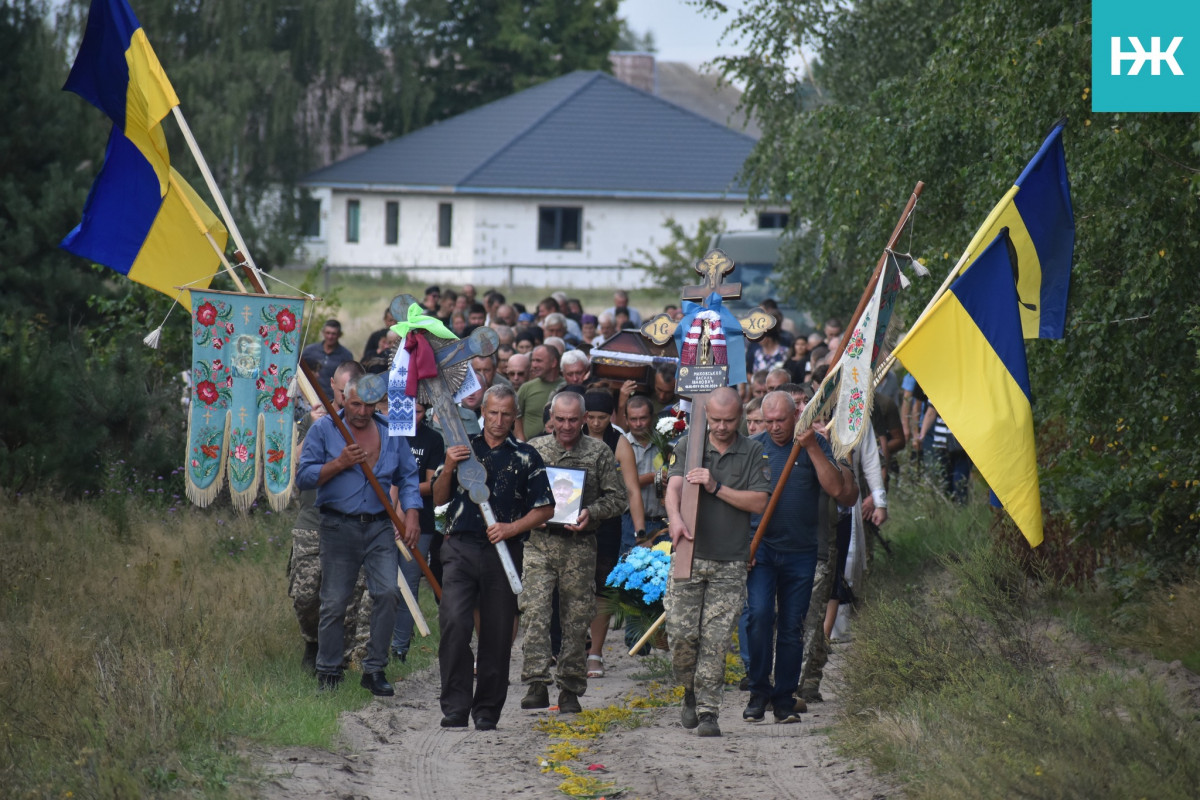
point(659, 329)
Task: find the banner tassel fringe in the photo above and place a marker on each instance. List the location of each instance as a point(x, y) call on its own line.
point(204, 497)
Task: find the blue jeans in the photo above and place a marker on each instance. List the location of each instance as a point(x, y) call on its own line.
point(776, 638)
point(411, 570)
point(346, 546)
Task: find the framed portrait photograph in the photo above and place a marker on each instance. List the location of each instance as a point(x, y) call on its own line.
point(567, 485)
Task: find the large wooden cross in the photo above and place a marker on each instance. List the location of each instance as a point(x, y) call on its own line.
point(698, 381)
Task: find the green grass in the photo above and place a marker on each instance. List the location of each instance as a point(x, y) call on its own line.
point(955, 687)
point(144, 643)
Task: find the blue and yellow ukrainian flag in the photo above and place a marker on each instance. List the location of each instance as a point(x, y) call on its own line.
point(1041, 224)
point(141, 218)
point(968, 354)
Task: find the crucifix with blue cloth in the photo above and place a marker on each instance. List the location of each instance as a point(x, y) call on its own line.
point(712, 354)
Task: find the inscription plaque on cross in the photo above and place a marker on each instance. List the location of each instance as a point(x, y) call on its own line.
point(699, 374)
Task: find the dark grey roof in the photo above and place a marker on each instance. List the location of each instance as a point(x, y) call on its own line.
point(585, 133)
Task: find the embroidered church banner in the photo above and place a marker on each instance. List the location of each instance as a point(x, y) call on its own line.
point(240, 421)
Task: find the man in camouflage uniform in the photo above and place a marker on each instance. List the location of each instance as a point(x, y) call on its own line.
point(564, 556)
point(304, 564)
point(735, 481)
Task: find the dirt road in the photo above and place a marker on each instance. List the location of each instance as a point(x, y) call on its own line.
point(394, 748)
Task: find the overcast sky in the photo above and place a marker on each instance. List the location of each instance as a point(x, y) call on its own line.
point(681, 31)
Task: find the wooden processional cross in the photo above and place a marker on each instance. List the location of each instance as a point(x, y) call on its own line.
point(698, 380)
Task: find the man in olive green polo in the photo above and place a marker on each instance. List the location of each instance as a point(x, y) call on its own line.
point(734, 480)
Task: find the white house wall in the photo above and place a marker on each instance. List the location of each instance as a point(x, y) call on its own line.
point(495, 239)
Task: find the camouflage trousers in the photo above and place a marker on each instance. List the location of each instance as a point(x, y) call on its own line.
point(816, 651)
point(701, 614)
point(569, 563)
point(304, 587)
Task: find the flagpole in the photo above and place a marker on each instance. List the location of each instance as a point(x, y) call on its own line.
point(252, 271)
point(862, 304)
point(187, 204)
point(976, 240)
point(212, 187)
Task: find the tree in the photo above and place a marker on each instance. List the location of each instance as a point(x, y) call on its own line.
point(960, 95)
point(674, 265)
point(270, 89)
point(78, 385)
point(465, 53)
point(629, 39)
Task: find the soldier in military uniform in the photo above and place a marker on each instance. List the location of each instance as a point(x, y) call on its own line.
point(564, 556)
point(734, 480)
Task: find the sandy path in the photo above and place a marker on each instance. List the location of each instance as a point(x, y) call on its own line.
point(394, 748)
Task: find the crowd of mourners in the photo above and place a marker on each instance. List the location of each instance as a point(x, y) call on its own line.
point(543, 412)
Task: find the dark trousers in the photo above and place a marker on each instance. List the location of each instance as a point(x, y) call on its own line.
point(473, 578)
point(778, 590)
point(348, 545)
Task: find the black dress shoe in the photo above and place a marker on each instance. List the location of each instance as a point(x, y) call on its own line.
point(454, 721)
point(328, 681)
point(377, 684)
point(485, 724)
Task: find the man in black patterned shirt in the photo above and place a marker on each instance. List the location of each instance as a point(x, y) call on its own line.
point(472, 576)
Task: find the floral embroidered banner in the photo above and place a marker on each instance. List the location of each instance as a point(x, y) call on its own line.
point(856, 384)
point(240, 421)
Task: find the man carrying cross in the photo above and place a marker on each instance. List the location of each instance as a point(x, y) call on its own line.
point(734, 481)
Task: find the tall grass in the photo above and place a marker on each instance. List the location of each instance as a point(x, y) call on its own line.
point(142, 643)
point(954, 688)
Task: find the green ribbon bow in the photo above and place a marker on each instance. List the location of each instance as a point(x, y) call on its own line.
point(418, 319)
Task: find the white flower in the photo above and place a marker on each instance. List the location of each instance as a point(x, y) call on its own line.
point(666, 426)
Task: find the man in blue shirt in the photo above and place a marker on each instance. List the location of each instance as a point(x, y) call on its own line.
point(782, 570)
point(355, 528)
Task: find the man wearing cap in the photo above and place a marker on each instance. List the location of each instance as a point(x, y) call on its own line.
point(563, 557)
point(327, 354)
point(356, 531)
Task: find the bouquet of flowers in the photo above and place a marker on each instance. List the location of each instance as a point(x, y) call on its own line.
point(663, 436)
point(637, 584)
point(667, 431)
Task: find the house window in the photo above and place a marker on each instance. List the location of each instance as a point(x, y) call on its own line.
point(773, 219)
point(310, 218)
point(392, 223)
point(352, 215)
point(445, 218)
point(559, 228)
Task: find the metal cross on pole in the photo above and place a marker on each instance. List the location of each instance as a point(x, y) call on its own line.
point(452, 356)
point(699, 373)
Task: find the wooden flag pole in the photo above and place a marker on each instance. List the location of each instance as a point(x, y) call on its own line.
point(232, 227)
point(862, 304)
point(212, 186)
point(976, 240)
